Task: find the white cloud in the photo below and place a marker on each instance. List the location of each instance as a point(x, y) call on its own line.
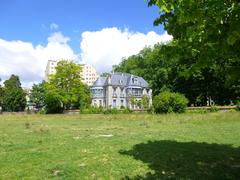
point(54, 26)
point(28, 61)
point(108, 46)
point(102, 49)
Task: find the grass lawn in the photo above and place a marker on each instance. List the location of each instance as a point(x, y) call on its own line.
point(136, 146)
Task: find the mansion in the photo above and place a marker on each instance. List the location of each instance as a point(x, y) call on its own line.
point(118, 89)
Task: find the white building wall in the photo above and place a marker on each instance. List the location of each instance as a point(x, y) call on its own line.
point(89, 74)
point(50, 69)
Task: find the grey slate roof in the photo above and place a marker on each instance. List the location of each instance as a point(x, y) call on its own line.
point(121, 79)
point(100, 82)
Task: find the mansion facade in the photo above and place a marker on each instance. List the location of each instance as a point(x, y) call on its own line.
point(118, 91)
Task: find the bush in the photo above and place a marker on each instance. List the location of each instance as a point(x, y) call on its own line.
point(238, 105)
point(150, 110)
point(168, 102)
point(53, 103)
point(111, 111)
point(42, 111)
point(127, 111)
point(101, 110)
point(92, 110)
point(198, 111)
point(214, 109)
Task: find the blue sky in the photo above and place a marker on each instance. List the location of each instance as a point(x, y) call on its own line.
point(96, 32)
point(29, 20)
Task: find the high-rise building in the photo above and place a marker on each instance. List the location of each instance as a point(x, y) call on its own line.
point(50, 69)
point(89, 74)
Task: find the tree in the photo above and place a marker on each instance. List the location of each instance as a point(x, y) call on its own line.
point(1, 94)
point(14, 97)
point(204, 32)
point(105, 74)
point(67, 86)
point(53, 101)
point(132, 101)
point(38, 95)
point(165, 72)
point(145, 102)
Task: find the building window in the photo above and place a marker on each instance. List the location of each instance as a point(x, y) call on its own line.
point(114, 103)
point(114, 92)
point(100, 102)
point(122, 102)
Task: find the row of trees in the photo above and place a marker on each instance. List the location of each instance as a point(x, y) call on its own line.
point(202, 61)
point(63, 91)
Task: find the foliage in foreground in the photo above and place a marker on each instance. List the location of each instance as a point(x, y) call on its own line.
point(168, 102)
point(206, 31)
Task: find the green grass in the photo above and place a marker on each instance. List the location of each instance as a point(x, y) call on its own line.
point(136, 146)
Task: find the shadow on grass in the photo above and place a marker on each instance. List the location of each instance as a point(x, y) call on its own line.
point(187, 160)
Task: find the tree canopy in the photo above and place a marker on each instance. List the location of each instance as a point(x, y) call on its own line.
point(38, 95)
point(66, 86)
point(1, 94)
point(202, 61)
point(204, 32)
point(164, 72)
point(14, 97)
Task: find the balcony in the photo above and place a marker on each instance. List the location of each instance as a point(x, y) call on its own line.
point(97, 95)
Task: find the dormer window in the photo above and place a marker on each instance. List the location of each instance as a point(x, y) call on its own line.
point(134, 80)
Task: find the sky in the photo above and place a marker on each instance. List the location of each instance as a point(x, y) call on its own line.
point(96, 32)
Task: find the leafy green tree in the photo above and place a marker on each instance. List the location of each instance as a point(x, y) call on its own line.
point(53, 101)
point(145, 102)
point(165, 72)
point(132, 101)
point(72, 93)
point(205, 32)
point(1, 94)
point(38, 95)
point(14, 97)
point(105, 74)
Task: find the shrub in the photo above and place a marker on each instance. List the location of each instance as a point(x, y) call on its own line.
point(198, 111)
point(126, 110)
point(53, 103)
point(238, 105)
point(214, 109)
point(111, 111)
point(92, 110)
point(42, 111)
point(168, 102)
point(150, 110)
